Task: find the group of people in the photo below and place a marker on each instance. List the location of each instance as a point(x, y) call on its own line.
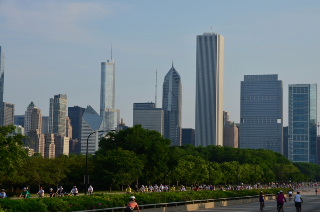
point(281, 199)
point(59, 193)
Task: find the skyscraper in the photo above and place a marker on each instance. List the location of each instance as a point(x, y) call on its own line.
point(302, 120)
point(110, 115)
point(209, 90)
point(148, 116)
point(8, 111)
point(91, 122)
point(58, 114)
point(171, 105)
point(261, 112)
point(1, 86)
point(75, 113)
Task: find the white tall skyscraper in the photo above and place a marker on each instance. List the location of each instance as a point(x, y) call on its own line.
point(171, 105)
point(1, 87)
point(209, 90)
point(108, 112)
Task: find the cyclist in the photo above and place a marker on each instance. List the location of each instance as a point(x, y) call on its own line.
point(132, 205)
point(290, 195)
point(261, 200)
point(297, 201)
point(280, 201)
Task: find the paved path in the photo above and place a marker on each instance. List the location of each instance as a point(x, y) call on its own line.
point(311, 203)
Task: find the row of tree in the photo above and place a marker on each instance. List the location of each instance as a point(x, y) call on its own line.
point(139, 156)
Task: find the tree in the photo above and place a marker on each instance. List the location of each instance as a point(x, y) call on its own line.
point(192, 169)
point(118, 167)
point(12, 153)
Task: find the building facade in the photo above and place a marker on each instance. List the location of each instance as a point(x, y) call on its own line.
point(230, 132)
point(148, 116)
point(188, 136)
point(209, 90)
point(108, 112)
point(1, 86)
point(91, 122)
point(75, 114)
point(261, 112)
point(302, 121)
point(8, 111)
point(172, 106)
point(58, 113)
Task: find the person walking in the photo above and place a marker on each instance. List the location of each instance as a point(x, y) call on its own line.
point(297, 201)
point(90, 190)
point(132, 205)
point(41, 192)
point(74, 191)
point(261, 200)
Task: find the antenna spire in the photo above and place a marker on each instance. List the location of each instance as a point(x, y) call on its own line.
point(155, 102)
point(111, 51)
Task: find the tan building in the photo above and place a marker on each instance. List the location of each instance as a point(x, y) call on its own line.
point(49, 150)
point(8, 109)
point(61, 145)
point(230, 132)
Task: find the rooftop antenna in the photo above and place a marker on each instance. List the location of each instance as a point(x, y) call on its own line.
point(111, 51)
point(155, 102)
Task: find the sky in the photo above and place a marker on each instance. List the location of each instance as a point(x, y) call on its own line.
point(57, 46)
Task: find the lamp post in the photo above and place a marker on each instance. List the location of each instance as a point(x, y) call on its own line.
point(87, 176)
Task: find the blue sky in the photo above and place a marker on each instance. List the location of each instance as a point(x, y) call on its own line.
point(54, 47)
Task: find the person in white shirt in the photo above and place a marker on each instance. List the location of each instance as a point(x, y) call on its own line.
point(90, 190)
point(298, 200)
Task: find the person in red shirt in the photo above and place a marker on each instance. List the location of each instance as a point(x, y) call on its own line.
point(280, 200)
point(132, 205)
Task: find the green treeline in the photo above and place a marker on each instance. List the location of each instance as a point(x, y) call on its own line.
point(137, 155)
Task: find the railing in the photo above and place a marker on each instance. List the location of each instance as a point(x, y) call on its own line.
point(188, 205)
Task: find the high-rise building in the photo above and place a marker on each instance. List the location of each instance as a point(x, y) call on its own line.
point(58, 113)
point(91, 122)
point(49, 150)
point(230, 132)
point(171, 105)
point(188, 136)
point(148, 116)
point(261, 112)
point(45, 124)
point(33, 119)
point(8, 110)
point(110, 115)
point(1, 86)
point(302, 121)
point(75, 113)
point(209, 89)
point(61, 145)
point(19, 120)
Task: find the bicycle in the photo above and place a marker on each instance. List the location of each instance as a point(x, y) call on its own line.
point(298, 206)
point(280, 207)
point(261, 206)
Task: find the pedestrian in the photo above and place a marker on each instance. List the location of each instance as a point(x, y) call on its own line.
point(60, 191)
point(25, 193)
point(41, 192)
point(51, 192)
point(3, 194)
point(74, 191)
point(132, 205)
point(90, 190)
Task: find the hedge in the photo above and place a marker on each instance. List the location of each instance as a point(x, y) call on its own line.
point(99, 201)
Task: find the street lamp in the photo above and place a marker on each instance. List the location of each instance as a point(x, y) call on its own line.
point(87, 176)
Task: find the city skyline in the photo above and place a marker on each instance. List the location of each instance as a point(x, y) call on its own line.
point(56, 47)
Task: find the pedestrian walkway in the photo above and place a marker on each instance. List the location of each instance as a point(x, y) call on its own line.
point(311, 203)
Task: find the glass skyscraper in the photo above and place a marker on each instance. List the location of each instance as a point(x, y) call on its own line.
point(58, 113)
point(302, 120)
point(261, 112)
point(171, 105)
point(110, 115)
point(209, 90)
point(1, 87)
